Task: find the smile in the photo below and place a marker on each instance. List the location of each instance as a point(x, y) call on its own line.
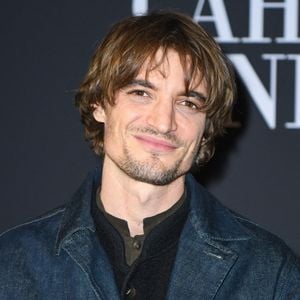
point(154, 144)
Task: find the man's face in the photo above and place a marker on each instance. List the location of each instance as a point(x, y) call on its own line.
point(153, 132)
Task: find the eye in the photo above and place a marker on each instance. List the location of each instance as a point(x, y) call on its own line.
point(189, 104)
point(140, 93)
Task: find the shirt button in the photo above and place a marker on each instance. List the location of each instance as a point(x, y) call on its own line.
point(130, 293)
point(136, 244)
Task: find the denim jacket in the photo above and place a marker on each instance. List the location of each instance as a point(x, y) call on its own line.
point(220, 255)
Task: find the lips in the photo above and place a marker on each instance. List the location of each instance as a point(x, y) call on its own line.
point(155, 144)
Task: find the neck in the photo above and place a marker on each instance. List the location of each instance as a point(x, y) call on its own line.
point(132, 200)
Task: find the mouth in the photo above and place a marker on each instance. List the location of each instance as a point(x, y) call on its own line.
point(155, 144)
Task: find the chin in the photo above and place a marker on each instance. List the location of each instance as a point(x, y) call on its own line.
point(151, 172)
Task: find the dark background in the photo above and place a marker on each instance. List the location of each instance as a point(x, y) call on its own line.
point(45, 50)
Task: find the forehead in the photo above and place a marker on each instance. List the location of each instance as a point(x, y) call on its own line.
point(161, 62)
point(170, 64)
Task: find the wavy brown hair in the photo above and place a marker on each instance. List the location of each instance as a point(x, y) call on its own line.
point(119, 58)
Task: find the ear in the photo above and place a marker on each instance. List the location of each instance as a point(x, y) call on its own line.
point(99, 113)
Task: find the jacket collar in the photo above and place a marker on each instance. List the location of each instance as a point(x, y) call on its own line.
point(210, 219)
point(207, 250)
point(77, 215)
point(78, 239)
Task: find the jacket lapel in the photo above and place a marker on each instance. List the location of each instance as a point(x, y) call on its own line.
point(78, 238)
point(204, 257)
point(200, 267)
point(83, 247)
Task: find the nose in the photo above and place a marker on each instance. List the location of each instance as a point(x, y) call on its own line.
point(162, 116)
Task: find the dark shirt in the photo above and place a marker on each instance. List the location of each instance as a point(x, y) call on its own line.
point(142, 264)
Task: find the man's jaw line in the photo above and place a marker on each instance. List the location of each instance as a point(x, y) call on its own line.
point(141, 191)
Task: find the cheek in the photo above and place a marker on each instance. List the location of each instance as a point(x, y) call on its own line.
point(193, 131)
point(110, 131)
point(117, 124)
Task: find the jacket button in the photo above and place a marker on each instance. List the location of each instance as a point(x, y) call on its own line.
point(130, 293)
point(136, 244)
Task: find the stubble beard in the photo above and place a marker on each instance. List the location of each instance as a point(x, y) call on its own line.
point(151, 171)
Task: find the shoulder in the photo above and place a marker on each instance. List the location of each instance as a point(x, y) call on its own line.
point(37, 232)
point(258, 257)
point(262, 241)
point(271, 257)
point(221, 223)
point(26, 250)
point(254, 245)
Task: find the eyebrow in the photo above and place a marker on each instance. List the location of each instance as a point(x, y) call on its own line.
point(148, 84)
point(195, 94)
point(144, 83)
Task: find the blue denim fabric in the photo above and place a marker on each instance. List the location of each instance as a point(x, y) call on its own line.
point(220, 256)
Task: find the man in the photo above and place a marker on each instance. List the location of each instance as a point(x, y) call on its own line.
point(157, 93)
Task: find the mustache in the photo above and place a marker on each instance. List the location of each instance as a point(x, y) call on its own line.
point(171, 137)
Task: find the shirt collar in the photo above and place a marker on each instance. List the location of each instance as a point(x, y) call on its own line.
point(161, 232)
point(149, 223)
